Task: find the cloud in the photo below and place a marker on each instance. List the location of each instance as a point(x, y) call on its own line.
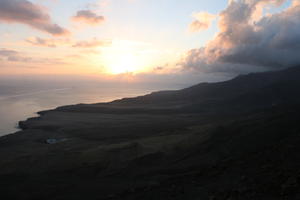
point(52, 43)
point(55, 42)
point(92, 43)
point(13, 56)
point(89, 17)
point(25, 12)
point(250, 41)
point(203, 21)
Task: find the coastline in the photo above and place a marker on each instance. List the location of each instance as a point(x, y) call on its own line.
point(164, 145)
point(22, 107)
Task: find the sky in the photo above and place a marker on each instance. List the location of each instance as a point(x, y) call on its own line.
point(148, 39)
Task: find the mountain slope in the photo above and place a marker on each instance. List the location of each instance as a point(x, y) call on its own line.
point(237, 139)
point(234, 88)
point(244, 93)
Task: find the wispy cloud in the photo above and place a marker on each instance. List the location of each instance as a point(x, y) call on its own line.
point(25, 12)
point(88, 17)
point(14, 56)
point(203, 21)
point(92, 43)
point(19, 57)
point(52, 43)
point(58, 42)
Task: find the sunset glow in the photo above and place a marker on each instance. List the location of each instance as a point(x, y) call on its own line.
point(93, 37)
point(149, 99)
point(112, 37)
point(125, 57)
point(123, 63)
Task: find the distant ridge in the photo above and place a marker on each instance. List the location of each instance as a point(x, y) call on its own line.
point(261, 89)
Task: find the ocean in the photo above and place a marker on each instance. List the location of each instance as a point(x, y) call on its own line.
point(21, 99)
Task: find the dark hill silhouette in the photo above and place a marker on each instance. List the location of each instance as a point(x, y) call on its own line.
point(244, 93)
point(236, 140)
point(223, 91)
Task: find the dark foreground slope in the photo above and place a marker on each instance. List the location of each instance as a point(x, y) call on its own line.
point(232, 140)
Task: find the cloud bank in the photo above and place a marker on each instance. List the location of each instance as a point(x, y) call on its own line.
point(25, 12)
point(88, 17)
point(250, 41)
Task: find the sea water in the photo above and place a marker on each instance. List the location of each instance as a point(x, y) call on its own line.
point(20, 100)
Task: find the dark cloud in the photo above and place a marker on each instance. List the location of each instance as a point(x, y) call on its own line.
point(248, 41)
point(89, 17)
point(25, 12)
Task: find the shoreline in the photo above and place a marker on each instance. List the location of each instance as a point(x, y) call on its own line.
point(184, 144)
point(21, 109)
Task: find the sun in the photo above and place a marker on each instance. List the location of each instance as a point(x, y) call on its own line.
point(123, 63)
point(126, 56)
point(122, 57)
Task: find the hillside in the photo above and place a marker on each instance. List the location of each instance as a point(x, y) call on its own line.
point(230, 140)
